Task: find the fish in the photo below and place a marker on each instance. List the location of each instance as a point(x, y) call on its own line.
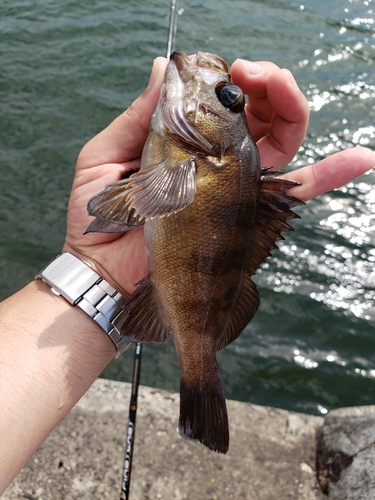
point(211, 216)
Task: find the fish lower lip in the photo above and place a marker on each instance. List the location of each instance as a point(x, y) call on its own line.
point(183, 64)
point(181, 53)
point(178, 55)
point(175, 54)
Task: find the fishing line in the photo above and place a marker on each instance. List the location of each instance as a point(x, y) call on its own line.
point(130, 433)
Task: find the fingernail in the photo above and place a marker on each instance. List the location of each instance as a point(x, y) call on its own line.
point(157, 72)
point(251, 67)
point(153, 75)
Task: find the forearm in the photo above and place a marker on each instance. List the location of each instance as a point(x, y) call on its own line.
point(50, 354)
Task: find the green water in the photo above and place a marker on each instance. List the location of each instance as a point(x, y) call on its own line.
point(68, 68)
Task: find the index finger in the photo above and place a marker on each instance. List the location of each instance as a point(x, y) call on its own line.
point(332, 172)
point(277, 111)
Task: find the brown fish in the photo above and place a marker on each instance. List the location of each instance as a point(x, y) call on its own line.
point(211, 216)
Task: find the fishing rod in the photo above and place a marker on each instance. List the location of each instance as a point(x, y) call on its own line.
point(172, 27)
point(130, 433)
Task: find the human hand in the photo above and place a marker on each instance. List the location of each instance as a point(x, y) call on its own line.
point(277, 113)
point(119, 258)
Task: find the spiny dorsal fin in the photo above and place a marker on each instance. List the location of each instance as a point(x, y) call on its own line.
point(275, 206)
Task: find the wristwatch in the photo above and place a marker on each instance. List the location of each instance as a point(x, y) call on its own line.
point(80, 285)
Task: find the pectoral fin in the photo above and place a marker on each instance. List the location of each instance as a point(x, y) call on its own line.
point(162, 189)
point(106, 226)
point(112, 205)
point(153, 191)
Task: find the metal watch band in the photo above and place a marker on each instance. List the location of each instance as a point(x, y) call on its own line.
point(80, 285)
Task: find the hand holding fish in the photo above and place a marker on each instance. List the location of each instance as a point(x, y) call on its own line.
point(211, 207)
point(277, 113)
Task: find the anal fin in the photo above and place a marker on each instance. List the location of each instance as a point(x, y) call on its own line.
point(242, 312)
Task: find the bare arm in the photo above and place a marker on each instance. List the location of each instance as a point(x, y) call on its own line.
point(50, 355)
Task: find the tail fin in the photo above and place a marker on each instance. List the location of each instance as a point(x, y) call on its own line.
point(203, 412)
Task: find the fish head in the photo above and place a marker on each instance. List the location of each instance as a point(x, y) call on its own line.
point(199, 107)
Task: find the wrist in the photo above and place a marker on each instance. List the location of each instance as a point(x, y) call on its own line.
point(70, 330)
point(96, 265)
point(79, 284)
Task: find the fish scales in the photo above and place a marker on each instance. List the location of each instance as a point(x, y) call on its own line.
point(209, 255)
point(211, 216)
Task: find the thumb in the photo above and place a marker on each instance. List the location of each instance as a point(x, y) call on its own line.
point(124, 138)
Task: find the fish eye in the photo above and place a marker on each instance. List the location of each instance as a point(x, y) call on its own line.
point(230, 96)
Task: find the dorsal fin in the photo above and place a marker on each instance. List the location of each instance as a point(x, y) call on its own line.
point(275, 206)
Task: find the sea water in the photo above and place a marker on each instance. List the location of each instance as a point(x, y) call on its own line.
point(69, 68)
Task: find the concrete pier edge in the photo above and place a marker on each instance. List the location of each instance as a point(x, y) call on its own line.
point(273, 453)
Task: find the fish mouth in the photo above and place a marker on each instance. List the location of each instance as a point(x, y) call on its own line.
point(183, 64)
point(207, 64)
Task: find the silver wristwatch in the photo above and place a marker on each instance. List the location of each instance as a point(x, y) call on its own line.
point(80, 285)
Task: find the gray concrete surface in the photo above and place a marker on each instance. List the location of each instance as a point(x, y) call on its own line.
point(272, 453)
point(346, 454)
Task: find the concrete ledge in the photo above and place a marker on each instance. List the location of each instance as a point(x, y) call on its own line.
point(346, 454)
point(271, 456)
